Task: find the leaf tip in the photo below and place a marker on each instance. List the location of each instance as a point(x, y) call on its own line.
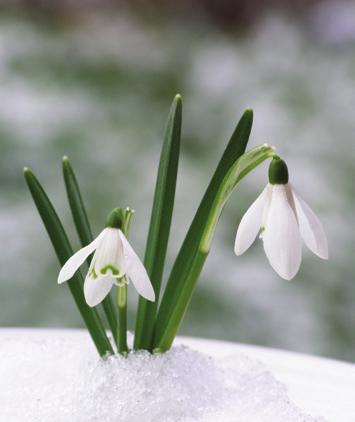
point(66, 164)
point(27, 172)
point(177, 103)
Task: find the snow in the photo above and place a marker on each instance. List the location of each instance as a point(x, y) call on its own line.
point(57, 376)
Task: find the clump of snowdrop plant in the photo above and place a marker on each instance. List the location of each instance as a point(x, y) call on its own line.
point(280, 216)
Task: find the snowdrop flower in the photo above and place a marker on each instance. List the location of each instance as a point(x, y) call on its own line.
point(282, 218)
point(114, 260)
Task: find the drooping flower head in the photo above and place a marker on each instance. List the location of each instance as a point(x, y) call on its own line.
point(283, 219)
point(114, 262)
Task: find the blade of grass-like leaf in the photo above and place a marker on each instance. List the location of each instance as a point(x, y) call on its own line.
point(160, 222)
point(64, 251)
point(76, 203)
point(83, 229)
point(184, 277)
point(190, 260)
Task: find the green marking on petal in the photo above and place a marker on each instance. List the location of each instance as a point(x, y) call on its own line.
point(121, 281)
point(93, 273)
point(262, 229)
point(109, 267)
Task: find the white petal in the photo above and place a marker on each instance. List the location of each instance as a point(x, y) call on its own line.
point(75, 261)
point(311, 228)
point(266, 205)
point(250, 224)
point(136, 271)
point(110, 252)
point(96, 289)
point(282, 240)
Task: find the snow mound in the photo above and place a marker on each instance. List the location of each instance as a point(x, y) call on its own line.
point(57, 377)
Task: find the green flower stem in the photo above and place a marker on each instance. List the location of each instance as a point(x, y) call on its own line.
point(122, 346)
point(159, 227)
point(64, 251)
point(83, 229)
point(196, 246)
point(244, 165)
point(180, 279)
point(122, 319)
point(127, 221)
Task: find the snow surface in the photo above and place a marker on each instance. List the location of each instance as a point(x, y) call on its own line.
point(59, 378)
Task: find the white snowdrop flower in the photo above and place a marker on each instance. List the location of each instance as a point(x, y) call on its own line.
point(113, 262)
point(283, 219)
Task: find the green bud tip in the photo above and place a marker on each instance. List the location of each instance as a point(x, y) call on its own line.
point(114, 219)
point(65, 158)
point(278, 172)
point(26, 169)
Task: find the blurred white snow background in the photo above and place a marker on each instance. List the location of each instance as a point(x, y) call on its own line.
point(99, 91)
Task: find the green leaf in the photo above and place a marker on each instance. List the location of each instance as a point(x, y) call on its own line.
point(84, 232)
point(64, 251)
point(196, 245)
point(160, 222)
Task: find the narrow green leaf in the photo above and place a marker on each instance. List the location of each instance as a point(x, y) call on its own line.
point(64, 251)
point(160, 222)
point(76, 203)
point(190, 259)
point(84, 232)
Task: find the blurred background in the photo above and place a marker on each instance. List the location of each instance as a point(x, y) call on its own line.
point(94, 80)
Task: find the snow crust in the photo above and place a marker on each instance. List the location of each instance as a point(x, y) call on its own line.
point(59, 378)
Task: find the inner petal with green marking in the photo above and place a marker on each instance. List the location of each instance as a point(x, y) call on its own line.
point(109, 267)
